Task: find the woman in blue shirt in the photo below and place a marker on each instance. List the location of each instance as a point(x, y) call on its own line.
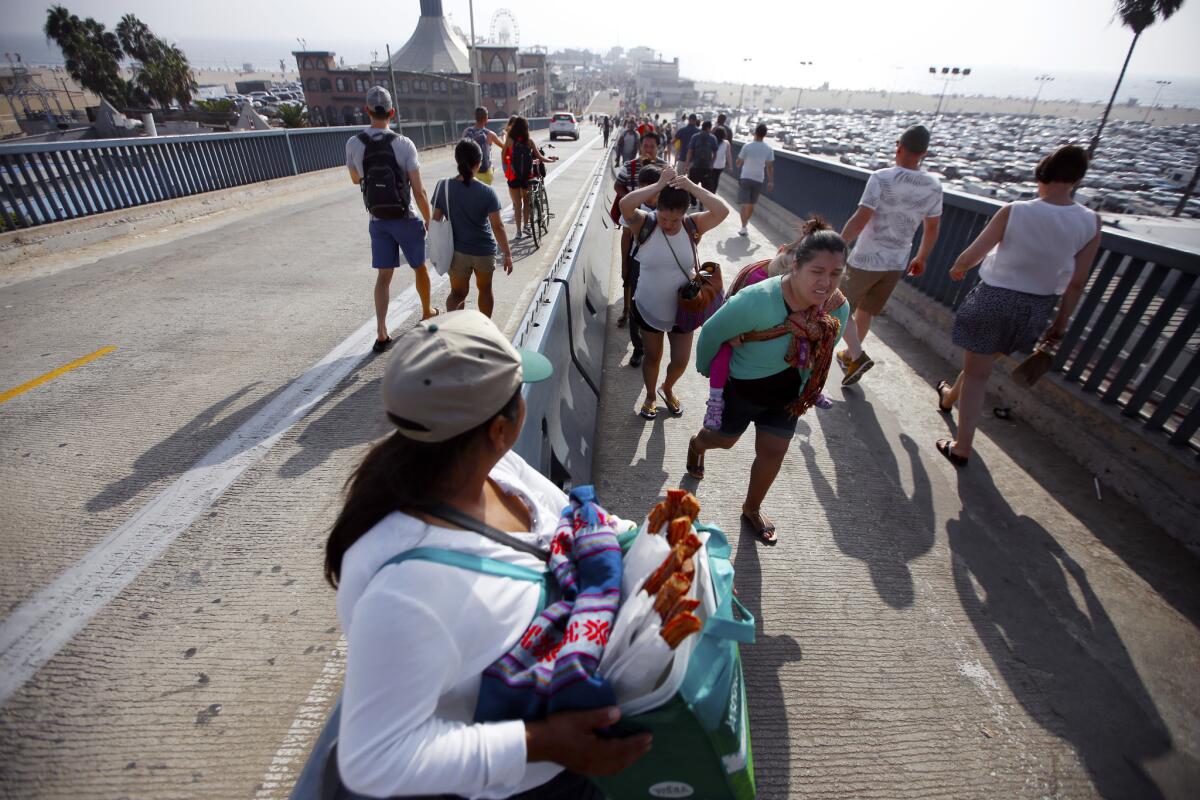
point(783, 331)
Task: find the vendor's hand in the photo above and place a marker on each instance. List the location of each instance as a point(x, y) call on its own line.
point(569, 738)
point(957, 272)
point(916, 267)
point(508, 265)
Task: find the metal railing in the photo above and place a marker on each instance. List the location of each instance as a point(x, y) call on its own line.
point(49, 182)
point(1133, 340)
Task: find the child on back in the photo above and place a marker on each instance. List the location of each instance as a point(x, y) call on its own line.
point(719, 372)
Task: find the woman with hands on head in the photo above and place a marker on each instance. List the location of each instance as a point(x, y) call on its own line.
point(668, 261)
point(1035, 254)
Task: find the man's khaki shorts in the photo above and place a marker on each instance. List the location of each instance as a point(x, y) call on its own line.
point(463, 265)
point(870, 289)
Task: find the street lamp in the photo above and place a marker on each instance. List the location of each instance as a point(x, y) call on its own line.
point(1042, 81)
point(947, 74)
point(742, 95)
point(800, 90)
point(1161, 85)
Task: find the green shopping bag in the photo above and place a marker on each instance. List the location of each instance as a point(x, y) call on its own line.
point(702, 733)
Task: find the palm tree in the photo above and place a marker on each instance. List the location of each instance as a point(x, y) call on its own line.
point(1137, 15)
point(92, 54)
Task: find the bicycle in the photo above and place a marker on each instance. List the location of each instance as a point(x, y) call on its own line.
point(537, 210)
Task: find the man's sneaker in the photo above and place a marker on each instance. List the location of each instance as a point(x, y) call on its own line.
point(856, 368)
point(843, 358)
point(743, 232)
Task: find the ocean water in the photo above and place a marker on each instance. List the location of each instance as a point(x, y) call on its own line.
point(986, 81)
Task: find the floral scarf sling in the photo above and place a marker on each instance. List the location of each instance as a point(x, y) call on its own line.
point(814, 333)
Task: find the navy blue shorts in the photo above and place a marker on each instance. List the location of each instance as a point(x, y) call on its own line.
point(391, 236)
point(740, 412)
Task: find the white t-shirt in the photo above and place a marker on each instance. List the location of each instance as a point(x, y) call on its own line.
point(420, 636)
point(902, 200)
point(754, 157)
point(402, 146)
point(722, 159)
point(1037, 253)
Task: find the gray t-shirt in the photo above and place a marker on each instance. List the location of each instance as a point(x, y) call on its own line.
point(481, 138)
point(754, 157)
point(402, 146)
point(470, 205)
point(902, 200)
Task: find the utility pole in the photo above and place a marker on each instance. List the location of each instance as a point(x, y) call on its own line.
point(474, 56)
point(1042, 81)
point(800, 91)
point(1161, 85)
point(949, 74)
point(392, 78)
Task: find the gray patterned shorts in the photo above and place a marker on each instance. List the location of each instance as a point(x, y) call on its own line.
point(994, 320)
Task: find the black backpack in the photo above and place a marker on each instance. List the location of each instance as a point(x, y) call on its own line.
point(385, 189)
point(704, 150)
point(521, 159)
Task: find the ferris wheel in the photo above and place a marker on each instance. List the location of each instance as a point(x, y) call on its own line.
point(505, 30)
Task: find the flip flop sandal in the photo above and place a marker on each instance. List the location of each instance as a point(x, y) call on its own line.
point(944, 446)
point(381, 345)
point(765, 533)
point(648, 412)
point(672, 409)
point(941, 388)
point(695, 461)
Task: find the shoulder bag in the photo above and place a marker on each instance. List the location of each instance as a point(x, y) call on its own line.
point(439, 243)
point(703, 294)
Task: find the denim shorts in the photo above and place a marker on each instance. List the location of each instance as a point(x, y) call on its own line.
point(739, 412)
point(391, 236)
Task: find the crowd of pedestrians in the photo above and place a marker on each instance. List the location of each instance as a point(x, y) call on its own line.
point(426, 608)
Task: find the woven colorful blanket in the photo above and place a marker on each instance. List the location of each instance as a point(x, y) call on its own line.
point(552, 667)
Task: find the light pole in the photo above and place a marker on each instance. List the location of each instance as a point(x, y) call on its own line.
point(474, 55)
point(948, 74)
point(1042, 81)
point(1161, 85)
point(742, 94)
point(800, 91)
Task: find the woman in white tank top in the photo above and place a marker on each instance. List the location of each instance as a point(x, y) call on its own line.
point(1036, 251)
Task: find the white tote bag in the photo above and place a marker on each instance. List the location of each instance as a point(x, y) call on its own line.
point(439, 244)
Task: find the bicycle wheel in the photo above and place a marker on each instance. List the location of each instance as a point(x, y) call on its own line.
point(534, 211)
point(544, 202)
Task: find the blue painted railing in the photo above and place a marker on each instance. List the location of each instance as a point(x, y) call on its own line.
point(1133, 341)
point(49, 182)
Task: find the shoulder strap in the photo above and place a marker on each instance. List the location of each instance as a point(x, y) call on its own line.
point(648, 226)
point(443, 511)
point(468, 561)
point(362, 137)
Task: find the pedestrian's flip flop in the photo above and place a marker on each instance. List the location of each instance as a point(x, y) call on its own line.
point(764, 533)
point(942, 388)
point(648, 412)
point(672, 409)
point(946, 448)
point(381, 345)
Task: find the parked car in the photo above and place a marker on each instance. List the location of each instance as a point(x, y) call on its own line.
point(564, 124)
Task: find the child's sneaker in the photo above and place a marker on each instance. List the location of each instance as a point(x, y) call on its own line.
point(712, 415)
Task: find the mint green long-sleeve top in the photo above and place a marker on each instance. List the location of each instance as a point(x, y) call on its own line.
point(754, 308)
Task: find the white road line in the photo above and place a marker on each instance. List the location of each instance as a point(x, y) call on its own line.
point(41, 626)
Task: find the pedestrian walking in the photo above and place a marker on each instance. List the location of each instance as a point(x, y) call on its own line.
point(385, 165)
point(756, 160)
point(627, 142)
point(485, 137)
point(520, 156)
point(607, 130)
point(683, 138)
point(631, 268)
point(1035, 254)
point(444, 492)
point(720, 125)
point(896, 201)
point(722, 161)
point(783, 335)
point(701, 154)
point(474, 213)
point(667, 257)
point(628, 179)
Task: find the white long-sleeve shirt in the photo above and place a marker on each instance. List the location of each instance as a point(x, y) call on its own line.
point(420, 635)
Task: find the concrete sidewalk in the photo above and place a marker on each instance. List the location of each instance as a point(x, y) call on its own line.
point(926, 632)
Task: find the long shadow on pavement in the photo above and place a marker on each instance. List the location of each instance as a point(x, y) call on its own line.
point(354, 420)
point(762, 663)
point(1062, 658)
point(872, 517)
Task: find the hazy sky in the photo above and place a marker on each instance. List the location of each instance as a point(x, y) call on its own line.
point(852, 42)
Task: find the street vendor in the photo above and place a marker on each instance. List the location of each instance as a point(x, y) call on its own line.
point(420, 633)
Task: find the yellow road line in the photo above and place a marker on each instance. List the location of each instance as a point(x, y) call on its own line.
point(49, 376)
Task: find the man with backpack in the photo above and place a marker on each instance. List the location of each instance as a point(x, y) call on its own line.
point(385, 165)
point(627, 142)
point(485, 137)
point(701, 153)
point(684, 137)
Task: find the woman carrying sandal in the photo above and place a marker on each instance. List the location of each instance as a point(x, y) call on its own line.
point(668, 261)
point(783, 331)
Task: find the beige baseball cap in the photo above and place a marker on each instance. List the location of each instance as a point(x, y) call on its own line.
point(454, 372)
